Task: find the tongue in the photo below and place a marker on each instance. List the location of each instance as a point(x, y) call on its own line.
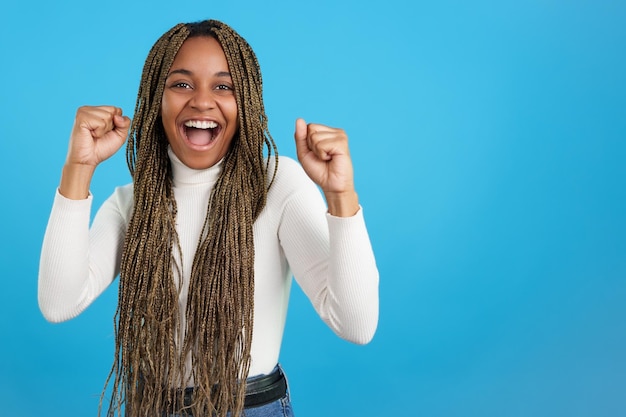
point(199, 137)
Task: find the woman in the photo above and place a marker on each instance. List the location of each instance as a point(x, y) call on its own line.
point(206, 238)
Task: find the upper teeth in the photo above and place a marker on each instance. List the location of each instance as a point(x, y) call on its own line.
point(200, 124)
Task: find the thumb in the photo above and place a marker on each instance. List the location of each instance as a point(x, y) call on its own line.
point(300, 136)
point(122, 124)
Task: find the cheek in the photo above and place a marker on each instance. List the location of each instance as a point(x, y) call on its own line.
point(168, 106)
point(233, 113)
point(164, 110)
point(167, 120)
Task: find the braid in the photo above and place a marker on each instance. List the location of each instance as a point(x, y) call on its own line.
point(150, 345)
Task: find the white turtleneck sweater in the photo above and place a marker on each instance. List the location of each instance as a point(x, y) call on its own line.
point(330, 257)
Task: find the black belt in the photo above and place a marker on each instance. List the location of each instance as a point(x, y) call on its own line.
point(265, 389)
point(259, 390)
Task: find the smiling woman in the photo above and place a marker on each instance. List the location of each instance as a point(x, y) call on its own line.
point(206, 238)
point(199, 110)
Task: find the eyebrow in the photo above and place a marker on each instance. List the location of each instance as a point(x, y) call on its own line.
point(189, 73)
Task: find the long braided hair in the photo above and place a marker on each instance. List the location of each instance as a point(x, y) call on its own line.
point(151, 345)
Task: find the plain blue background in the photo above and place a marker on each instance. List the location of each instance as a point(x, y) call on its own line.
point(489, 145)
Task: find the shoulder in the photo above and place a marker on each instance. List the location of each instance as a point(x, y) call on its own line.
point(121, 200)
point(290, 185)
point(124, 194)
point(290, 177)
point(289, 171)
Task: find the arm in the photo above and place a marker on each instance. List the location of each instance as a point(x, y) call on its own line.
point(66, 277)
point(78, 262)
point(332, 260)
point(330, 254)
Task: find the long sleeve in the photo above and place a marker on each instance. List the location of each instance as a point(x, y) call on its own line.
point(78, 262)
point(332, 260)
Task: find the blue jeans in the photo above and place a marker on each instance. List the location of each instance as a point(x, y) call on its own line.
point(279, 408)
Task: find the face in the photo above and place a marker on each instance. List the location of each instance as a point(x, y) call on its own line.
point(198, 109)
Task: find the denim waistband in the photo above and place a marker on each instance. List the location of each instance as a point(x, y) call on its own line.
point(260, 390)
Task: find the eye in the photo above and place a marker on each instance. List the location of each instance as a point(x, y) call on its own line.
point(180, 84)
point(224, 87)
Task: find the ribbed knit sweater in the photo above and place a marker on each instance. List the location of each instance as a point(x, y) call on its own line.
point(330, 257)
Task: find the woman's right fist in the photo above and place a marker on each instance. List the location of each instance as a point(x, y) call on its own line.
point(98, 132)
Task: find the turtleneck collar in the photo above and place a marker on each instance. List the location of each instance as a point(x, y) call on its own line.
point(183, 175)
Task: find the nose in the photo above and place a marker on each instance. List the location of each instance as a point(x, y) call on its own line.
point(203, 99)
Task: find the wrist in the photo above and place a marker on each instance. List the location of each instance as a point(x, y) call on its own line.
point(342, 204)
point(76, 180)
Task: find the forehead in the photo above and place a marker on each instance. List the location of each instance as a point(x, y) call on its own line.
point(201, 52)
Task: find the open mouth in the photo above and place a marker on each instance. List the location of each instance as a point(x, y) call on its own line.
point(201, 132)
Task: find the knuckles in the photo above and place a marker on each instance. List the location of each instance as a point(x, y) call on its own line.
point(317, 133)
point(98, 117)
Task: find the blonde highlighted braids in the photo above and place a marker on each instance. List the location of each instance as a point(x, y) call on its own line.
point(150, 345)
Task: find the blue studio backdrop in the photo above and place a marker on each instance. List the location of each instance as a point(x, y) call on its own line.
point(489, 141)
